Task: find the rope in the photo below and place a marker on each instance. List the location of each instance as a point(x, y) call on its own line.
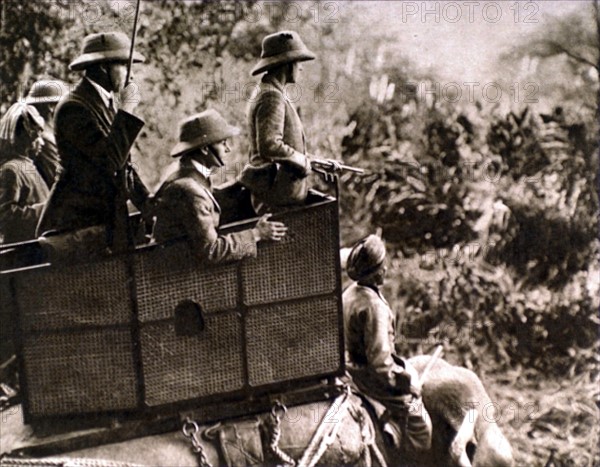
point(368, 436)
point(273, 423)
point(321, 441)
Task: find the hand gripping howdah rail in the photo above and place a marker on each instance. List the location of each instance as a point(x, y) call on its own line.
point(152, 329)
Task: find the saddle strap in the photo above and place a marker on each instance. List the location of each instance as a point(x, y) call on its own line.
point(368, 436)
point(321, 440)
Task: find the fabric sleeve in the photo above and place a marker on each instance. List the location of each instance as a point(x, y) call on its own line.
point(379, 352)
point(79, 127)
point(12, 215)
point(208, 245)
point(270, 122)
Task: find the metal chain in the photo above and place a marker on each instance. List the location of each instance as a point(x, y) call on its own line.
point(273, 423)
point(190, 430)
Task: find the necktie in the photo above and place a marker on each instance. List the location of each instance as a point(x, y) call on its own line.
point(111, 102)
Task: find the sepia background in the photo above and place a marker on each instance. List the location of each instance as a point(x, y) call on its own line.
point(477, 125)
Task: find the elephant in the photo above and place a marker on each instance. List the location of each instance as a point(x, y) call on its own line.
point(465, 432)
point(346, 431)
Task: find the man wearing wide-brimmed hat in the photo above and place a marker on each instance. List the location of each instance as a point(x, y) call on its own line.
point(23, 192)
point(95, 129)
point(370, 331)
point(185, 204)
point(277, 140)
point(44, 95)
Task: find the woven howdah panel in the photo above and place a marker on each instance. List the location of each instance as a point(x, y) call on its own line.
point(293, 340)
point(166, 276)
point(178, 368)
point(302, 264)
point(76, 296)
point(88, 371)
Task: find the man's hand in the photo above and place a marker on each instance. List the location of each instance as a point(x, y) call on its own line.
point(129, 97)
point(327, 168)
point(267, 230)
point(407, 381)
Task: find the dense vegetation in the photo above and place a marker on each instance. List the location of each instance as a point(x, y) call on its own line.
point(489, 212)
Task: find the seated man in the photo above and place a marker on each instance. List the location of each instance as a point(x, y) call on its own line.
point(185, 203)
point(23, 191)
point(370, 333)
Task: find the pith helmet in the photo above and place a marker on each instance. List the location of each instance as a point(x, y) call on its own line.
point(202, 129)
point(280, 48)
point(366, 257)
point(46, 92)
point(104, 47)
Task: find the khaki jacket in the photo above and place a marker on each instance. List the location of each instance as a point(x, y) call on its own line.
point(369, 327)
point(185, 205)
point(23, 193)
point(278, 145)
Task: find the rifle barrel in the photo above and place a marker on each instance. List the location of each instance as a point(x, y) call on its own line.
point(131, 50)
point(347, 168)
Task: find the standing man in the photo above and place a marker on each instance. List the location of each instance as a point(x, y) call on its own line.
point(44, 95)
point(370, 331)
point(95, 129)
point(279, 165)
point(23, 192)
point(185, 204)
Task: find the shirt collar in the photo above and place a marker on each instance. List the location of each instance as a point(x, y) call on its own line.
point(205, 171)
point(273, 81)
point(105, 95)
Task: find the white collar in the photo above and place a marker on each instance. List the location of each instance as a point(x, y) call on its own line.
point(205, 171)
point(105, 95)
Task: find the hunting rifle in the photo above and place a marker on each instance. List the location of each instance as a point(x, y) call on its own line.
point(328, 168)
point(330, 165)
point(259, 178)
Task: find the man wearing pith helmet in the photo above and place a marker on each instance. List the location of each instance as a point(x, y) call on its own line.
point(185, 204)
point(95, 129)
point(370, 331)
point(44, 95)
point(277, 139)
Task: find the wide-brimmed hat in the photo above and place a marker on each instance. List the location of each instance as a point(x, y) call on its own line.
point(202, 129)
point(280, 48)
point(104, 47)
point(366, 257)
point(46, 91)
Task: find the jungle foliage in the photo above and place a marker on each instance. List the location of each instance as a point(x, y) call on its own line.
point(489, 212)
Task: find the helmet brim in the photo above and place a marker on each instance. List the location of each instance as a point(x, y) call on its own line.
point(85, 60)
point(268, 63)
